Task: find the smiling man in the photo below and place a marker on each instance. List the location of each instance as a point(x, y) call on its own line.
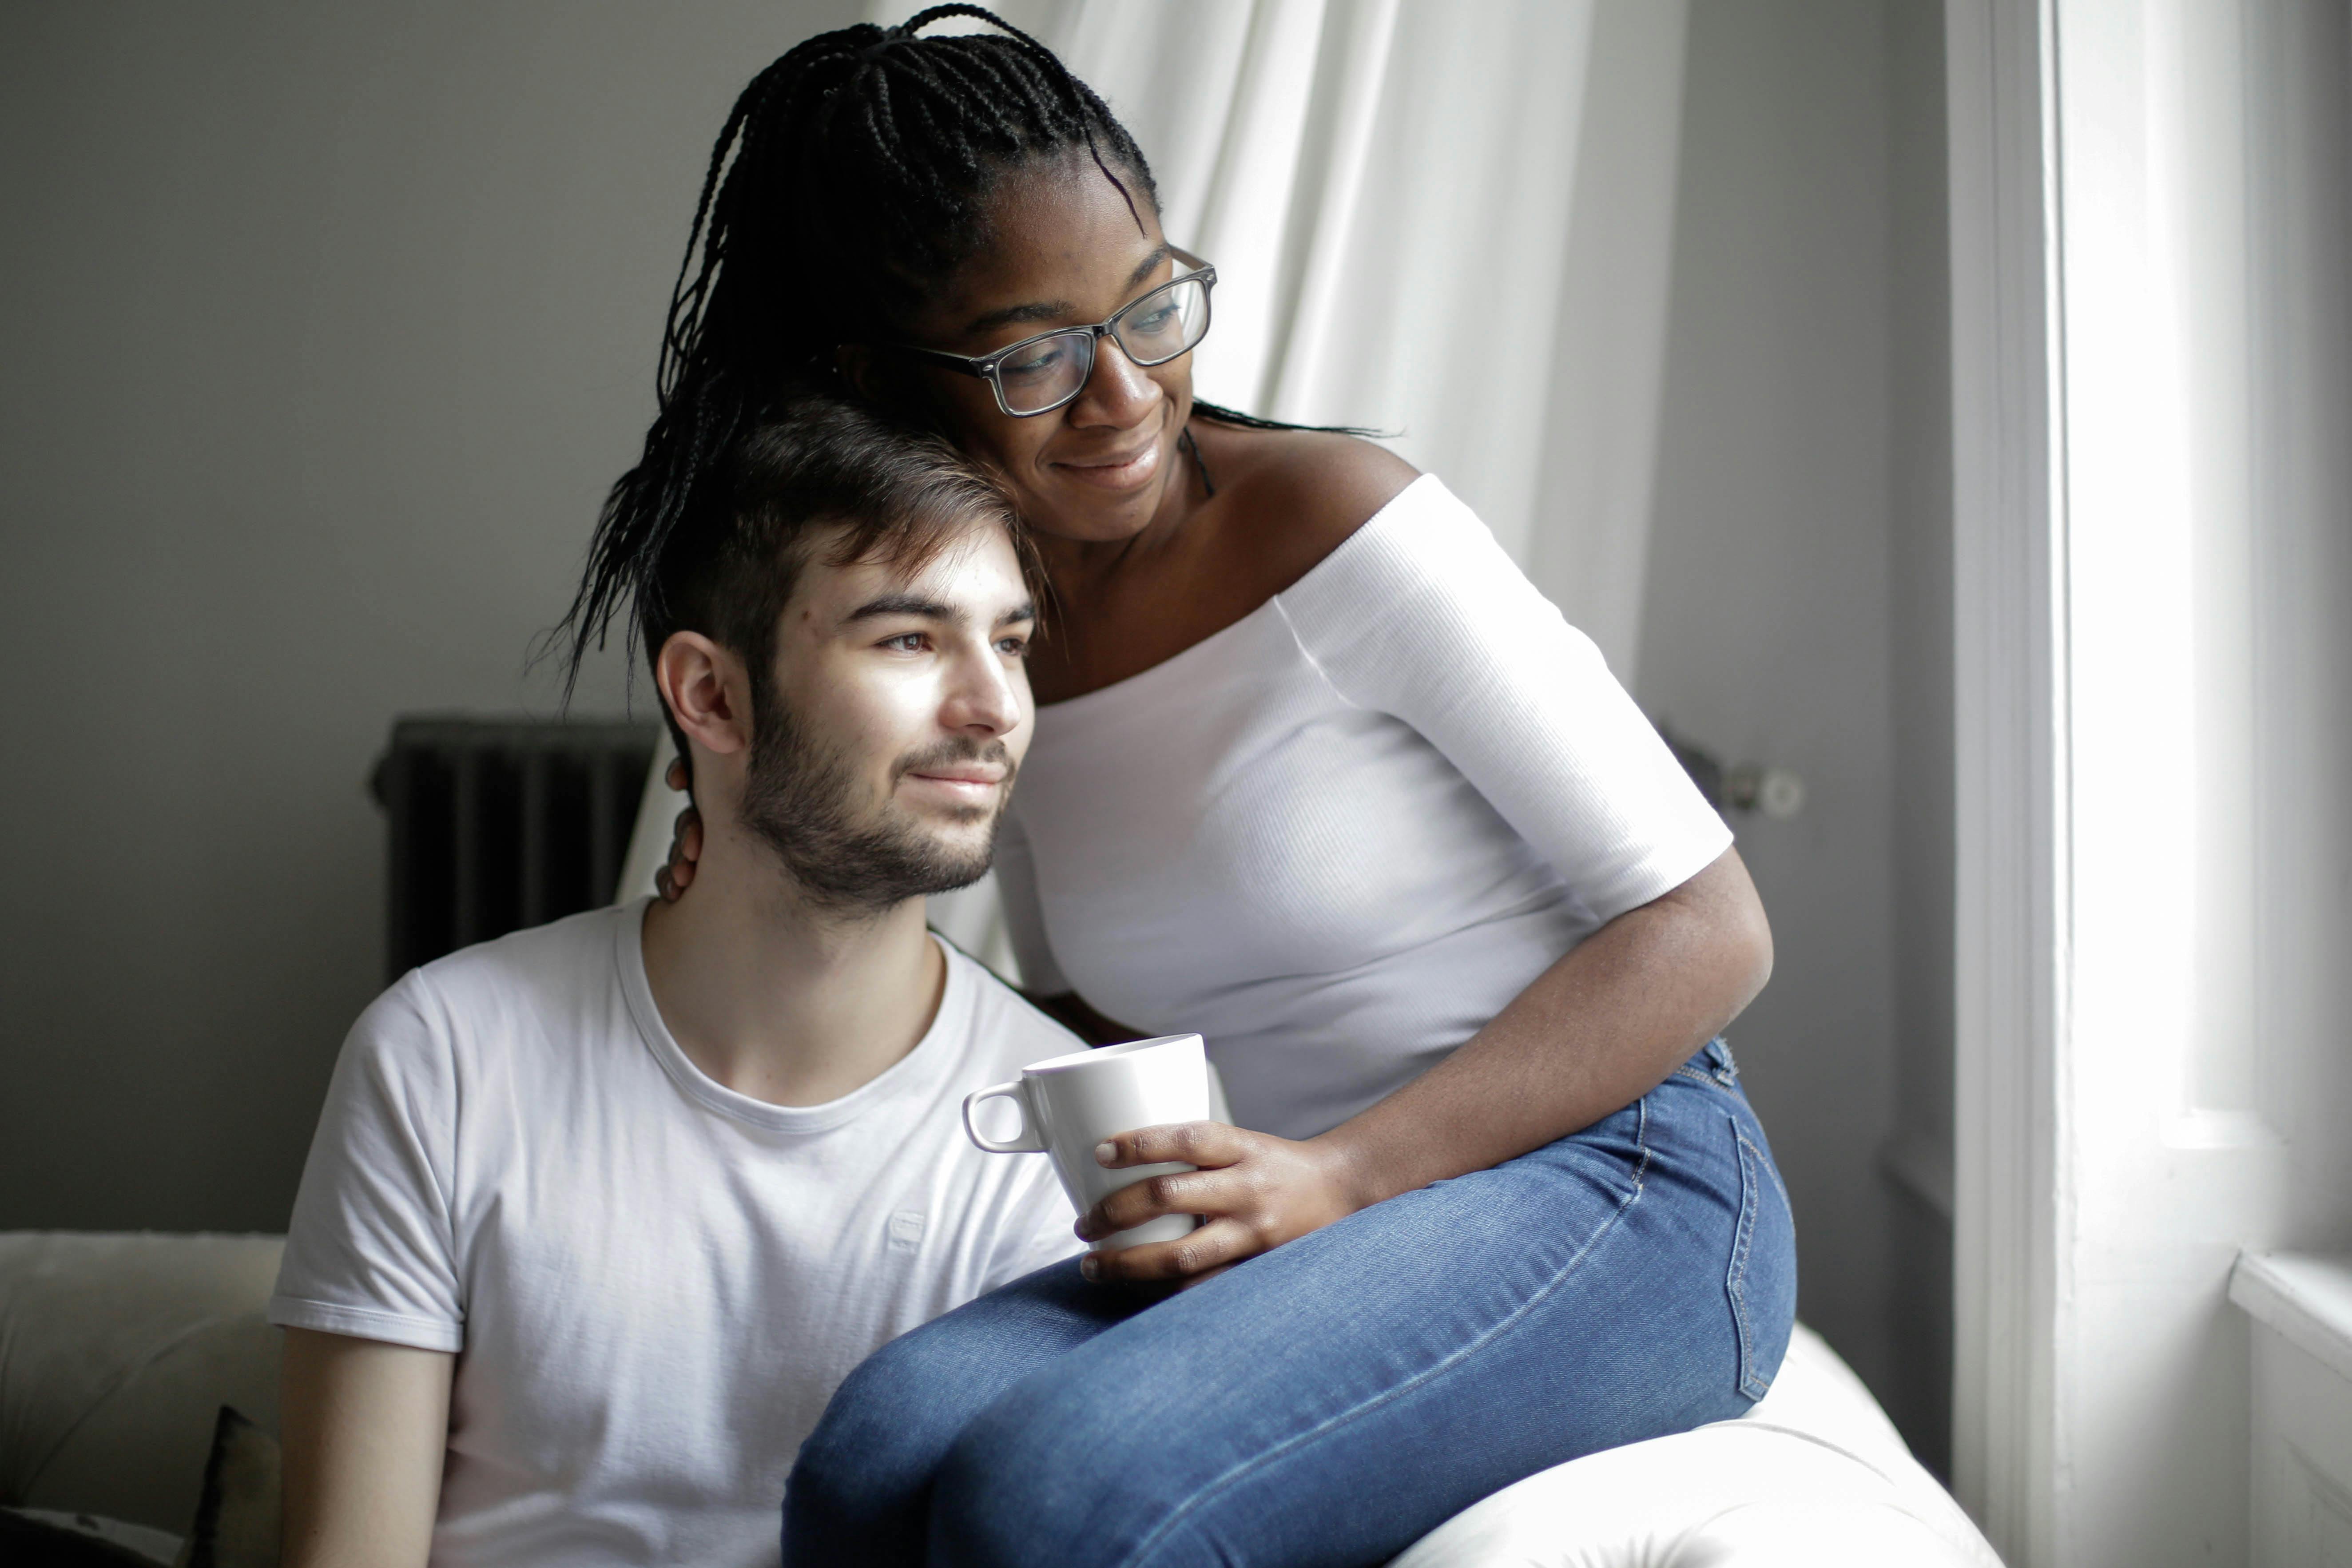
point(598, 1215)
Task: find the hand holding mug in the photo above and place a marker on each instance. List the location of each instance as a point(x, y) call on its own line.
point(1252, 1190)
point(1070, 1104)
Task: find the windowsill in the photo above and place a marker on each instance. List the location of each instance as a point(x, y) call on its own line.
point(2307, 1299)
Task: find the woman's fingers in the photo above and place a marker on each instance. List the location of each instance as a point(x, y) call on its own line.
point(1138, 1203)
point(1216, 1247)
point(685, 850)
point(1254, 1190)
point(1211, 1145)
point(675, 774)
point(1183, 1142)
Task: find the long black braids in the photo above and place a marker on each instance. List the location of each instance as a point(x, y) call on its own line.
point(852, 172)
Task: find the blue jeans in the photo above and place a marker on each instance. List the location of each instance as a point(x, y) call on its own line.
point(1333, 1400)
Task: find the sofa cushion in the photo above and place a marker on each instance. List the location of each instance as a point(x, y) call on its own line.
point(1814, 1476)
point(116, 1354)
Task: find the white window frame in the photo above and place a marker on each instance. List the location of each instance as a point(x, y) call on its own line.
point(2143, 1082)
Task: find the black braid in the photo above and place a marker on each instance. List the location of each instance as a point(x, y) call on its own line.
point(852, 172)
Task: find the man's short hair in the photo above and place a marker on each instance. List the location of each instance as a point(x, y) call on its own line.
point(896, 496)
point(817, 464)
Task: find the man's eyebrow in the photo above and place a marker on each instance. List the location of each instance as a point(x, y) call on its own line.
point(1024, 611)
point(903, 604)
point(1056, 310)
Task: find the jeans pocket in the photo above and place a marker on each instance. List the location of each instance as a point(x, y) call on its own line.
point(1762, 1279)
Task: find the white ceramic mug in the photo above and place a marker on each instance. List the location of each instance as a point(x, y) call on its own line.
point(1069, 1104)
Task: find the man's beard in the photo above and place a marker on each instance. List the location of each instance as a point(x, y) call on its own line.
point(798, 799)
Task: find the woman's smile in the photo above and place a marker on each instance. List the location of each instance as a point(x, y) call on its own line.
point(1126, 469)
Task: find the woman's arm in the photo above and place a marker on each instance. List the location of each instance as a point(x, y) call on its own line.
point(363, 1426)
point(1595, 1032)
point(1592, 1034)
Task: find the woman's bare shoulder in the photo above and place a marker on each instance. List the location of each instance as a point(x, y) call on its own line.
point(1298, 494)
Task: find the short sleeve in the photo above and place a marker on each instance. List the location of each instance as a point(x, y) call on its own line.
point(369, 1252)
point(1420, 614)
point(1025, 919)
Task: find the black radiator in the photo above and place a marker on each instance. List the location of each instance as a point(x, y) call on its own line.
point(499, 824)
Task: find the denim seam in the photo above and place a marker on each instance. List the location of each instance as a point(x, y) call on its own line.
point(1724, 1074)
point(1707, 1080)
point(1239, 1472)
point(1750, 1157)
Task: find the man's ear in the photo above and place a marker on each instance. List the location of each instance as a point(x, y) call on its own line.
point(859, 366)
point(708, 692)
point(889, 383)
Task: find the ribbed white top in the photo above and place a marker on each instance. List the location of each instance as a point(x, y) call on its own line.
point(1340, 835)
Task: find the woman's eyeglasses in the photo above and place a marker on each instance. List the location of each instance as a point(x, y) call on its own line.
point(1039, 374)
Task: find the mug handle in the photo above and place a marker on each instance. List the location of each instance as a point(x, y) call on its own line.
point(1026, 1141)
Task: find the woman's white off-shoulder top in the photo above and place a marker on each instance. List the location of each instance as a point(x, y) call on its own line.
point(1340, 835)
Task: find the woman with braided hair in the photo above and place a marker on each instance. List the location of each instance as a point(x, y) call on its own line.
point(1318, 775)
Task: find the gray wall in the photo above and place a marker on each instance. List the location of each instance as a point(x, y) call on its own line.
point(323, 329)
point(1796, 613)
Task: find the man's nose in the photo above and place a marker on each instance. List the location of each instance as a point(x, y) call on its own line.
point(982, 695)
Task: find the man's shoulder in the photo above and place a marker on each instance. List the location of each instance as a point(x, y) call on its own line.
point(559, 957)
point(1008, 1033)
point(541, 974)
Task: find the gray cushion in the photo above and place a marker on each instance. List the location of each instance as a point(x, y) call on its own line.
point(115, 1353)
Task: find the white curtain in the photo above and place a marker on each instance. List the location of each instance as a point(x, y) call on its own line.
point(1448, 219)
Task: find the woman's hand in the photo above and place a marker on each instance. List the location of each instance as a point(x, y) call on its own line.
point(685, 843)
point(1254, 1192)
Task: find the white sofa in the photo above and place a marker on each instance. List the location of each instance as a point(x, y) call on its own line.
point(116, 1350)
point(115, 1353)
point(1815, 1475)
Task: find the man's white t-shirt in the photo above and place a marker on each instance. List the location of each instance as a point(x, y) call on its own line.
point(654, 1283)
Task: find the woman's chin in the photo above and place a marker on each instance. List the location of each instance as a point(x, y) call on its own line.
point(1094, 514)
